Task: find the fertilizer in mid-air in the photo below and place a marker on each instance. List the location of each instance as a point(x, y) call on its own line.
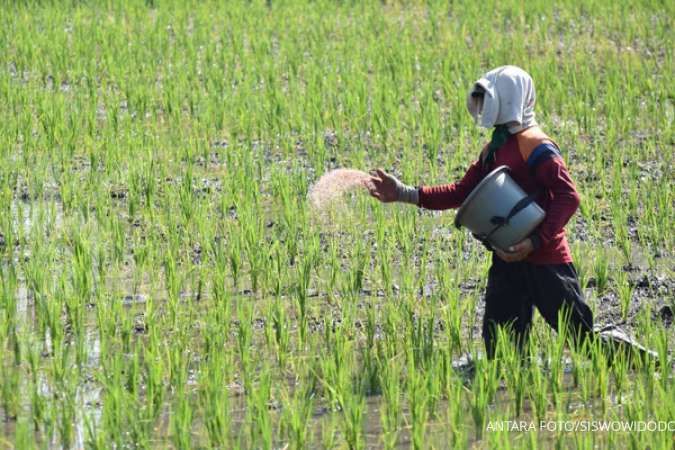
point(334, 184)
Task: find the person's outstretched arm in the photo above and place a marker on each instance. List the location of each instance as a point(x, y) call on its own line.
point(387, 188)
point(446, 196)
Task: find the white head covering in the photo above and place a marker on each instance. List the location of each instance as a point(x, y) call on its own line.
point(509, 97)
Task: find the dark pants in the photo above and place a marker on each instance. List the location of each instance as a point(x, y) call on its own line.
point(514, 289)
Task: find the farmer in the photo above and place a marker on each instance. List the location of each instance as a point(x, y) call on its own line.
point(537, 271)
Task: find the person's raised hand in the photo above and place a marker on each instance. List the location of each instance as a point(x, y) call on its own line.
point(517, 252)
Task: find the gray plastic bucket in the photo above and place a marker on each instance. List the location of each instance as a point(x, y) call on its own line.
point(499, 211)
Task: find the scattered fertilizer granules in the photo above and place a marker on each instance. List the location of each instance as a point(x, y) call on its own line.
point(335, 183)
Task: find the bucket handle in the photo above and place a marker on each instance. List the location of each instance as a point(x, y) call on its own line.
point(500, 221)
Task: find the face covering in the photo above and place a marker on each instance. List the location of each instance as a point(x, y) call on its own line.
point(507, 104)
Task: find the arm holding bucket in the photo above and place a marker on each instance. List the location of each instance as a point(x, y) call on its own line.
point(517, 252)
point(552, 175)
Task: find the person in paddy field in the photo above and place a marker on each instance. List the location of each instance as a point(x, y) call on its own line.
point(537, 272)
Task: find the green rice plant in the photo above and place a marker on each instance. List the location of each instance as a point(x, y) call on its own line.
point(390, 411)
point(482, 393)
point(292, 219)
point(181, 419)
point(118, 240)
point(298, 412)
point(634, 413)
point(619, 370)
point(338, 381)
point(9, 324)
point(353, 410)
point(498, 435)
point(625, 291)
point(173, 284)
point(333, 269)
point(278, 324)
point(278, 269)
point(600, 380)
point(262, 420)
point(581, 265)
point(664, 359)
point(619, 220)
point(113, 401)
point(154, 379)
point(138, 428)
point(304, 275)
point(94, 436)
point(417, 401)
point(235, 248)
point(24, 437)
point(512, 369)
point(601, 271)
point(370, 378)
point(213, 396)
point(9, 391)
point(328, 432)
point(454, 314)
point(556, 351)
point(420, 337)
point(384, 249)
point(353, 281)
point(421, 278)
point(434, 386)
point(455, 412)
point(538, 391)
point(38, 404)
point(244, 337)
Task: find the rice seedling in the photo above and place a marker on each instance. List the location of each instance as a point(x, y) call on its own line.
point(481, 394)
point(418, 400)
point(278, 325)
point(538, 393)
point(297, 415)
point(391, 410)
point(513, 371)
point(259, 398)
point(213, 395)
point(347, 398)
point(600, 383)
point(601, 270)
point(625, 291)
point(457, 434)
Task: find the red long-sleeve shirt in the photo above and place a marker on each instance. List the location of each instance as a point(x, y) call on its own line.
point(536, 165)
